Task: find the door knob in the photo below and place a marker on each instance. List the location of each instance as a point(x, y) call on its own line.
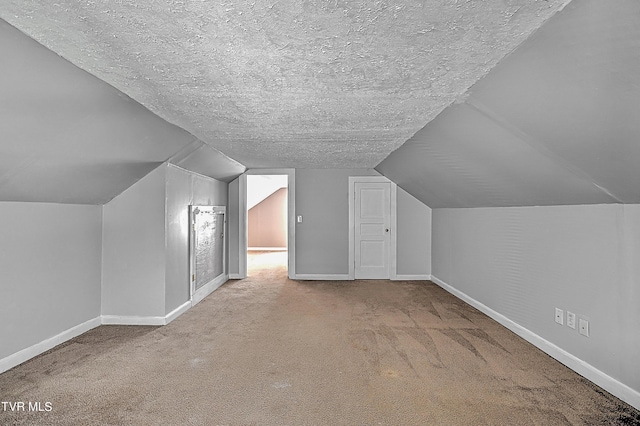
point(386, 230)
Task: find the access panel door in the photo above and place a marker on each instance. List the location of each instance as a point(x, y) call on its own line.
point(207, 245)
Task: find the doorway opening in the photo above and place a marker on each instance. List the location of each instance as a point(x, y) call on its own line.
point(267, 222)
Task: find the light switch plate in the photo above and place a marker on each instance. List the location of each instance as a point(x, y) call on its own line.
point(571, 320)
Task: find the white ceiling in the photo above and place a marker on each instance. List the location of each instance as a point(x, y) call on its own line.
point(288, 83)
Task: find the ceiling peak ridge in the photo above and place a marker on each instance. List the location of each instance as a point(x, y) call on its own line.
point(541, 148)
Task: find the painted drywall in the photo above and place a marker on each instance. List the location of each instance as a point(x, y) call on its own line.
point(233, 227)
point(260, 187)
point(133, 269)
point(68, 137)
point(322, 239)
point(182, 189)
point(178, 198)
point(267, 221)
point(554, 123)
point(202, 159)
point(523, 262)
point(50, 257)
point(413, 230)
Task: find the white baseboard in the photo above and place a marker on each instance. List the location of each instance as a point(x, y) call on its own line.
point(208, 288)
point(34, 350)
point(608, 383)
point(236, 277)
point(425, 277)
point(132, 320)
point(148, 320)
point(177, 312)
point(323, 277)
point(347, 277)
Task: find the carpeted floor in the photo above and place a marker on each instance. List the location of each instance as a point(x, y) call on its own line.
point(270, 351)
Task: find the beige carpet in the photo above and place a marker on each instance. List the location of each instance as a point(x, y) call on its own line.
point(271, 351)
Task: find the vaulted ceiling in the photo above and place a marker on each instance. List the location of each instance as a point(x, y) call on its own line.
point(500, 102)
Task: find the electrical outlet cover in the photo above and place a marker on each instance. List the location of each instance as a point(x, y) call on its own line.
point(584, 327)
point(559, 316)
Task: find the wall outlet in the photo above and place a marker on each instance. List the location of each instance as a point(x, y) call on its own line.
point(299, 218)
point(584, 327)
point(571, 320)
point(559, 316)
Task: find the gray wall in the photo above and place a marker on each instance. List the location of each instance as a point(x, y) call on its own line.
point(146, 241)
point(413, 235)
point(184, 188)
point(133, 269)
point(233, 227)
point(523, 262)
point(50, 262)
point(322, 240)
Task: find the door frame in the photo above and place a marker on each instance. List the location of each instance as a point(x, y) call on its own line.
point(243, 220)
point(393, 242)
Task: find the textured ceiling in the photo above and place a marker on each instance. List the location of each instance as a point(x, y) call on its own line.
point(287, 83)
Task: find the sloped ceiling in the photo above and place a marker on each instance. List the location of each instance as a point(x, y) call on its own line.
point(287, 83)
point(557, 122)
point(326, 85)
point(67, 137)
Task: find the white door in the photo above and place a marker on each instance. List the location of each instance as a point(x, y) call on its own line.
point(372, 230)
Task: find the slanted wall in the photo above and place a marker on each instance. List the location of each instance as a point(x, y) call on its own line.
point(267, 222)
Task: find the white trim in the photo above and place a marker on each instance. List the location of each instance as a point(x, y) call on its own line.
point(291, 219)
point(393, 246)
point(267, 249)
point(177, 312)
point(243, 236)
point(323, 277)
point(393, 249)
point(132, 320)
point(235, 277)
point(148, 320)
point(352, 228)
point(208, 288)
point(35, 350)
point(611, 385)
point(406, 277)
